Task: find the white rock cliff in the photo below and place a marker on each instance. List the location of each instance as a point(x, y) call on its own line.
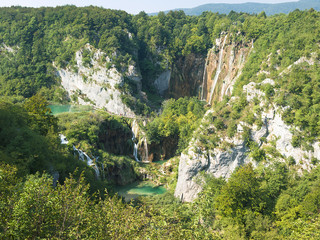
point(96, 85)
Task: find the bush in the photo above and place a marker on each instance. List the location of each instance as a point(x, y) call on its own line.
point(296, 141)
point(291, 161)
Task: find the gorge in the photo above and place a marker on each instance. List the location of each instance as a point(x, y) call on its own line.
point(209, 125)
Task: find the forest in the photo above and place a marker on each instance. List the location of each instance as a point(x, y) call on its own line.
point(46, 192)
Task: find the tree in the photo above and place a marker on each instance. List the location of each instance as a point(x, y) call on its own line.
point(240, 194)
point(40, 113)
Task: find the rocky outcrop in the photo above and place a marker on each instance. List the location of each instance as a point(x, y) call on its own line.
point(94, 84)
point(207, 77)
point(217, 162)
point(280, 132)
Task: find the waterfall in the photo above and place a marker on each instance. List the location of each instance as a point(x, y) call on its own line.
point(84, 157)
point(204, 75)
point(135, 129)
point(135, 147)
point(93, 165)
point(216, 77)
point(63, 139)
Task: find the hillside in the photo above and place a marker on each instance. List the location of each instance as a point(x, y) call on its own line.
point(221, 110)
point(253, 8)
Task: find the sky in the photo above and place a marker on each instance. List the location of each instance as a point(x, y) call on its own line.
point(130, 6)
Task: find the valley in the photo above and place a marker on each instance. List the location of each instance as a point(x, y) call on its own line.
point(119, 126)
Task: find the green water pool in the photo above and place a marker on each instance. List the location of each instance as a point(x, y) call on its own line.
point(137, 189)
point(63, 108)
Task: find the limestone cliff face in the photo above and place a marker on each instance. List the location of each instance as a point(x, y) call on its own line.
point(224, 65)
point(95, 84)
point(186, 76)
point(219, 163)
point(207, 77)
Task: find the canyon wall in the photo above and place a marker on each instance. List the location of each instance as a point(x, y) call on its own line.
point(207, 77)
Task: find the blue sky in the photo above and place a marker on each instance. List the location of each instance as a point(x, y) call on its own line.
point(131, 6)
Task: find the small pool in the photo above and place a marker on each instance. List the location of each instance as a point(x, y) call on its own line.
point(137, 189)
point(63, 108)
point(161, 162)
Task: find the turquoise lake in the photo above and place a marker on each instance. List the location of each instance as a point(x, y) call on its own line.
point(63, 108)
point(137, 189)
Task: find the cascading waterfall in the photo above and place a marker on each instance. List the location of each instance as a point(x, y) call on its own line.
point(228, 79)
point(216, 77)
point(82, 156)
point(63, 139)
point(145, 143)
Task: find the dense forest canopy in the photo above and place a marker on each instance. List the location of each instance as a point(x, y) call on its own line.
point(271, 201)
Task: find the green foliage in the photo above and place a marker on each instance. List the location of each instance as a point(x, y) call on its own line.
point(29, 141)
point(291, 161)
point(218, 123)
point(105, 138)
point(179, 118)
point(39, 37)
point(271, 202)
point(296, 141)
point(258, 154)
point(241, 193)
point(68, 211)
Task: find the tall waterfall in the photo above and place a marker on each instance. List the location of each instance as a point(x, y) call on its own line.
point(216, 77)
point(103, 175)
point(204, 75)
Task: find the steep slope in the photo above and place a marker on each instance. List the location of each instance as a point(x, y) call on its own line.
point(96, 85)
point(263, 137)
